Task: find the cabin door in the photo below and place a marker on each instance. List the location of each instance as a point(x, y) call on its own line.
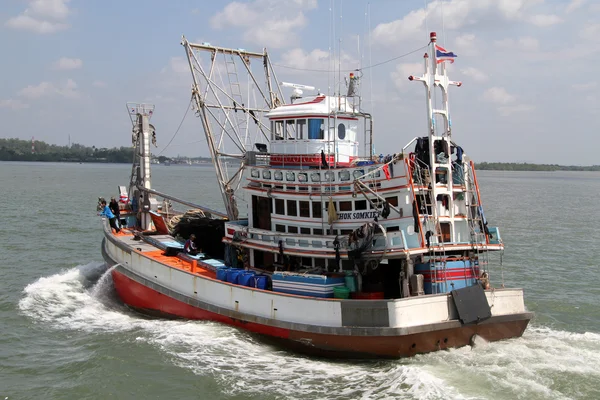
point(261, 212)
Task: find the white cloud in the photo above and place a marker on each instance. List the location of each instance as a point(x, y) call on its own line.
point(35, 92)
point(403, 71)
point(505, 111)
point(13, 104)
point(574, 5)
point(178, 65)
point(317, 59)
point(543, 20)
point(456, 14)
point(584, 86)
point(42, 16)
point(269, 22)
point(498, 95)
point(68, 63)
point(465, 44)
point(69, 89)
point(55, 9)
point(526, 43)
point(474, 73)
point(590, 30)
point(46, 89)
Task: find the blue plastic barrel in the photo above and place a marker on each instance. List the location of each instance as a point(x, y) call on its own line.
point(246, 278)
point(222, 274)
point(260, 282)
point(351, 282)
point(232, 275)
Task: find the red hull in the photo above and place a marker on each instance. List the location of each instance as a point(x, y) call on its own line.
point(149, 301)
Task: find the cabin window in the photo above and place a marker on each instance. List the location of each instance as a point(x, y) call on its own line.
point(278, 176)
point(317, 209)
point(300, 128)
point(360, 205)
point(376, 174)
point(329, 176)
point(254, 173)
point(278, 131)
point(345, 206)
point(302, 177)
point(392, 200)
point(319, 262)
point(292, 208)
point(305, 231)
point(279, 228)
point(292, 229)
point(315, 177)
point(392, 228)
point(344, 175)
point(304, 209)
point(279, 207)
point(374, 204)
point(345, 231)
point(290, 128)
point(341, 131)
point(290, 176)
point(266, 174)
point(316, 128)
point(318, 232)
point(358, 173)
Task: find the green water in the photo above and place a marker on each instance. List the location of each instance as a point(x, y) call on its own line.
point(64, 334)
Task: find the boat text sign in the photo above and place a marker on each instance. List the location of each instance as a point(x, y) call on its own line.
point(357, 215)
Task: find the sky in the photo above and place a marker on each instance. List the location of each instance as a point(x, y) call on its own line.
point(528, 67)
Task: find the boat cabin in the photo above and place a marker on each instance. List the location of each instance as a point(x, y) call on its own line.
point(315, 131)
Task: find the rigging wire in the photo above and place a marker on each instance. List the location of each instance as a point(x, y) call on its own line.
point(358, 69)
point(179, 127)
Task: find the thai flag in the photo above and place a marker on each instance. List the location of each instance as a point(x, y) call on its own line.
point(441, 54)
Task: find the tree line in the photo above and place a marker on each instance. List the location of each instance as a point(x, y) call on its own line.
point(505, 166)
point(20, 150)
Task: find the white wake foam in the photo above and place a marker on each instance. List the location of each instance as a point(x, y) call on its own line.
point(543, 364)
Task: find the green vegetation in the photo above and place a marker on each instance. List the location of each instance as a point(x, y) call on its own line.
point(533, 167)
point(20, 150)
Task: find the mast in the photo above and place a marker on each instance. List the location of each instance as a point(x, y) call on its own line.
point(226, 112)
point(439, 138)
point(141, 177)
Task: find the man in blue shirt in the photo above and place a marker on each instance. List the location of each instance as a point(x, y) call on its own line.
point(111, 217)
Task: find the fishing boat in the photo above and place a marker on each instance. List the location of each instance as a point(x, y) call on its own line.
point(324, 246)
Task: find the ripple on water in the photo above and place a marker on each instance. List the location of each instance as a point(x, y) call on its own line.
point(534, 366)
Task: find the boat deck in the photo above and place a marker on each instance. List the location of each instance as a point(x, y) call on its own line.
point(154, 247)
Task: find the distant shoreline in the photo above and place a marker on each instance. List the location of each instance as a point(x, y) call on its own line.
point(484, 166)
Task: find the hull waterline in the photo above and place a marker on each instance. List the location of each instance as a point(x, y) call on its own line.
point(156, 302)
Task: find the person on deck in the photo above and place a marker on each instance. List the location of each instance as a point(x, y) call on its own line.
point(190, 246)
point(114, 207)
point(111, 217)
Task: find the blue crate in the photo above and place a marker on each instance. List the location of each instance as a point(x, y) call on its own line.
point(306, 284)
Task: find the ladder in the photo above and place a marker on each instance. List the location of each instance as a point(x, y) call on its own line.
point(240, 109)
point(479, 238)
point(437, 250)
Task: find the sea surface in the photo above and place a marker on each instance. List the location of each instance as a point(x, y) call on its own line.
point(65, 335)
